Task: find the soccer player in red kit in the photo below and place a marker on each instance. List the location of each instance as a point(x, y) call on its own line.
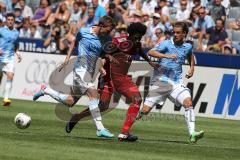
point(118, 58)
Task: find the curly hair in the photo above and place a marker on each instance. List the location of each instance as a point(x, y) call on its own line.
point(136, 28)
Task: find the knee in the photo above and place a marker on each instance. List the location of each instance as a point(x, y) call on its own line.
point(10, 76)
point(137, 99)
point(187, 102)
point(146, 109)
point(70, 101)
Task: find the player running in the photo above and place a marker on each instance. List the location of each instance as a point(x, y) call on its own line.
point(119, 57)
point(8, 46)
point(167, 80)
point(89, 49)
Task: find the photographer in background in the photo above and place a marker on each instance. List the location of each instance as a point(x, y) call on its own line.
point(54, 39)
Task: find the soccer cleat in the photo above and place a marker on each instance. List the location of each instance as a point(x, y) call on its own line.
point(104, 133)
point(196, 136)
point(127, 137)
point(6, 102)
point(69, 127)
point(40, 93)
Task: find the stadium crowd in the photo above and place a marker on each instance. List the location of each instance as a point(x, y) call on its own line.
point(214, 24)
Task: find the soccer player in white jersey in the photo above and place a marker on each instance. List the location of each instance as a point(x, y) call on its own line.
point(167, 80)
point(89, 49)
point(8, 47)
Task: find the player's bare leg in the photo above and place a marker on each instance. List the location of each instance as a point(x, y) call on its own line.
point(105, 97)
point(8, 86)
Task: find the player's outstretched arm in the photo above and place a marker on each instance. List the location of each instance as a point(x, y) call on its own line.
point(191, 60)
point(157, 54)
point(69, 53)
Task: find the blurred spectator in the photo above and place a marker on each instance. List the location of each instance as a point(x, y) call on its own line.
point(7, 4)
point(121, 30)
point(156, 23)
point(99, 11)
point(236, 48)
point(90, 19)
point(65, 42)
point(34, 4)
point(135, 17)
point(115, 14)
point(2, 17)
point(18, 18)
point(183, 14)
point(146, 19)
point(83, 10)
point(54, 39)
point(164, 7)
point(46, 31)
point(34, 33)
point(235, 24)
point(42, 13)
point(204, 3)
point(163, 18)
point(150, 35)
point(149, 6)
point(202, 23)
point(216, 36)
point(217, 11)
point(26, 10)
point(25, 30)
point(156, 38)
point(178, 6)
point(227, 47)
point(197, 6)
point(133, 6)
point(69, 4)
point(61, 16)
point(76, 15)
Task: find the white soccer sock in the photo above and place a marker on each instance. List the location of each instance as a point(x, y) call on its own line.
point(96, 115)
point(60, 97)
point(190, 119)
point(8, 86)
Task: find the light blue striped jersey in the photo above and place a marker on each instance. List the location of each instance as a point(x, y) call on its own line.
point(8, 41)
point(89, 49)
point(171, 70)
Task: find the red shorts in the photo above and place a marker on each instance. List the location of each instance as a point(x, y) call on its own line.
point(122, 84)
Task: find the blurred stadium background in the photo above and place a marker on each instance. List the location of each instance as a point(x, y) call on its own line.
point(44, 39)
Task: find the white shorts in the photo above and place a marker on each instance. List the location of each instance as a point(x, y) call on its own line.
point(7, 66)
point(160, 91)
point(82, 81)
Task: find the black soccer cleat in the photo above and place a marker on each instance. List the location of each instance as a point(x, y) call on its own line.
point(127, 137)
point(69, 127)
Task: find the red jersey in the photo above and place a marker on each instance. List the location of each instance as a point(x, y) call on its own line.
point(126, 49)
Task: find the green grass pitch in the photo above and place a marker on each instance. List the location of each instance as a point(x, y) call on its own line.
point(160, 137)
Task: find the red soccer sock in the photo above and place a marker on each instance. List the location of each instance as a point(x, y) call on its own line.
point(131, 115)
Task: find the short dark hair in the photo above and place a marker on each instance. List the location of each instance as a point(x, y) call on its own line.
point(182, 25)
point(10, 15)
point(136, 28)
point(106, 21)
point(112, 5)
point(219, 19)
